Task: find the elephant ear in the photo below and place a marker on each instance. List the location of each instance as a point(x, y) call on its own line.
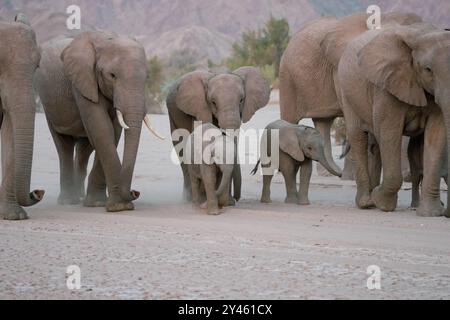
point(388, 63)
point(79, 65)
point(190, 96)
point(290, 143)
point(257, 91)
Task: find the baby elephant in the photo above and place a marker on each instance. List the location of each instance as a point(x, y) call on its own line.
point(211, 163)
point(298, 146)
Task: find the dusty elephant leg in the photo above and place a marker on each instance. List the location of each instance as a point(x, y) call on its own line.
point(83, 151)
point(385, 196)
point(374, 164)
point(359, 142)
point(265, 197)
point(96, 190)
point(348, 173)
point(187, 191)
point(289, 171)
point(433, 157)
point(9, 208)
point(209, 177)
point(101, 132)
point(324, 127)
point(65, 147)
point(305, 178)
point(415, 158)
point(195, 183)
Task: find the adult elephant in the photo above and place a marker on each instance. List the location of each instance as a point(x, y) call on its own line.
point(396, 81)
point(92, 87)
point(308, 71)
point(19, 58)
point(225, 99)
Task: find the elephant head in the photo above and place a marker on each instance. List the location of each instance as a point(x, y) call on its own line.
point(19, 58)
point(229, 98)
point(301, 142)
point(413, 66)
point(116, 68)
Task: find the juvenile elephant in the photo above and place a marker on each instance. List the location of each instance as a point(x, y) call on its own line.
point(92, 87)
point(19, 58)
point(217, 153)
point(309, 66)
point(396, 81)
point(225, 99)
point(298, 147)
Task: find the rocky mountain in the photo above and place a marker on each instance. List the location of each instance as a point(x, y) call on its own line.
point(207, 27)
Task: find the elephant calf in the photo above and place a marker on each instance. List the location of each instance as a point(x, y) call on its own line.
point(213, 157)
point(298, 146)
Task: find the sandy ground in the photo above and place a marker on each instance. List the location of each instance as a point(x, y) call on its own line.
point(166, 249)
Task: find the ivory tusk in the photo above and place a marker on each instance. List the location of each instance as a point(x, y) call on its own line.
point(151, 129)
point(121, 121)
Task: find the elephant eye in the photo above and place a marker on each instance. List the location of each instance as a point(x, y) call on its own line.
point(428, 69)
point(214, 103)
point(112, 75)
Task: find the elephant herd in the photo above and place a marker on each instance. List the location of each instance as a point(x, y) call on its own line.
point(386, 83)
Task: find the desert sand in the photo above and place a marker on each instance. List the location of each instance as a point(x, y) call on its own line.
point(166, 249)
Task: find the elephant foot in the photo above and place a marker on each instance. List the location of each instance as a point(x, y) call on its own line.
point(266, 199)
point(213, 211)
point(68, 201)
point(364, 201)
point(415, 204)
point(187, 195)
point(431, 208)
point(95, 200)
point(291, 200)
point(304, 202)
point(386, 202)
point(230, 203)
point(119, 206)
point(12, 212)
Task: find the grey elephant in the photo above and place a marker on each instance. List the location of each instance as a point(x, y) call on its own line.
point(19, 58)
point(217, 157)
point(225, 100)
point(298, 146)
point(415, 157)
point(309, 66)
point(92, 87)
point(396, 81)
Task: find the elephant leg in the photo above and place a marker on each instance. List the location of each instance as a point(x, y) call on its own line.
point(374, 164)
point(187, 191)
point(101, 132)
point(195, 184)
point(324, 127)
point(209, 176)
point(359, 143)
point(288, 99)
point(289, 171)
point(265, 196)
point(96, 191)
point(305, 178)
point(415, 158)
point(83, 151)
point(9, 207)
point(65, 147)
point(389, 134)
point(433, 158)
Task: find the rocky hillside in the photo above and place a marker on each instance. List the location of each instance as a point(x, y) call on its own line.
point(207, 27)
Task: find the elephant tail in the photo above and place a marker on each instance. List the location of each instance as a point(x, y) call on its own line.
point(255, 170)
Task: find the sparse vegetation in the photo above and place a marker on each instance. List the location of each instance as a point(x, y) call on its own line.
point(262, 48)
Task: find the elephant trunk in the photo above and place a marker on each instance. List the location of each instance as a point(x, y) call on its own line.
point(132, 137)
point(21, 109)
point(324, 162)
point(446, 113)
